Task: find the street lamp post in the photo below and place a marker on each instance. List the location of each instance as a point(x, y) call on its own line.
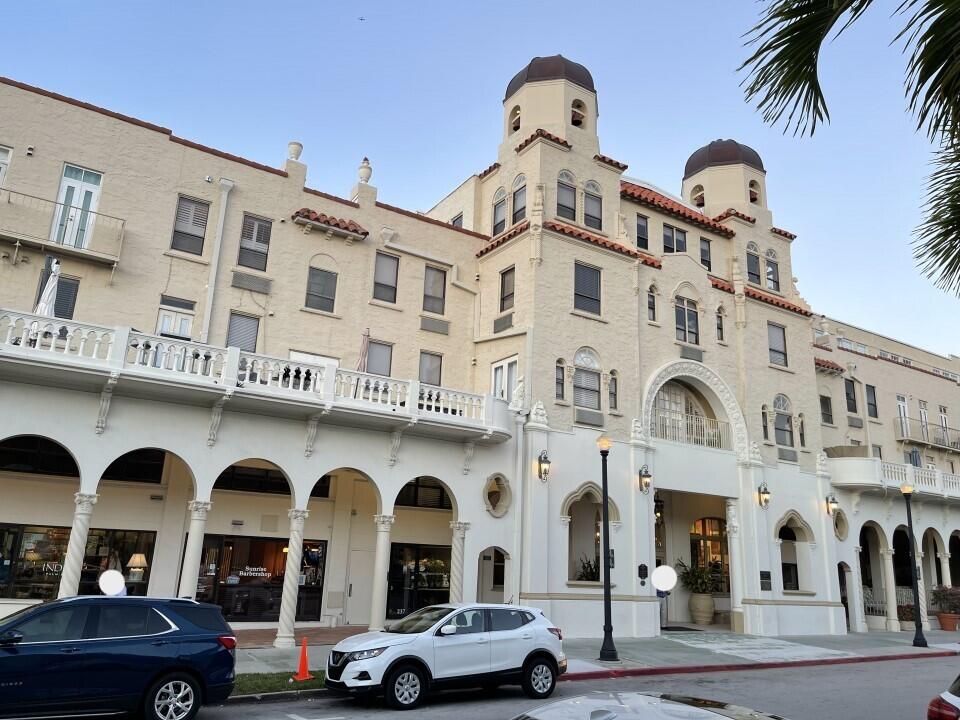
point(608, 650)
point(918, 640)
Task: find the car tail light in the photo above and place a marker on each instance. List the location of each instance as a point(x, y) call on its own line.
point(940, 709)
point(557, 632)
point(228, 641)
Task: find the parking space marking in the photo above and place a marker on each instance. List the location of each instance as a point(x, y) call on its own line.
point(297, 717)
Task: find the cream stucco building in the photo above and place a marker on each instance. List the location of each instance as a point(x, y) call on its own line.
point(319, 409)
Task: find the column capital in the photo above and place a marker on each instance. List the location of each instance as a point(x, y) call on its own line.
point(945, 556)
point(887, 552)
point(199, 508)
point(85, 502)
point(383, 522)
point(459, 528)
point(297, 515)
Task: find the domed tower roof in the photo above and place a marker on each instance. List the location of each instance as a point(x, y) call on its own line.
point(722, 152)
point(555, 67)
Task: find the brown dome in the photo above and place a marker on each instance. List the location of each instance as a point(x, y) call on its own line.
point(722, 152)
point(555, 67)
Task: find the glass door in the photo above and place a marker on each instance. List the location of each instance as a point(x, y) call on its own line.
point(419, 576)
point(9, 537)
point(77, 206)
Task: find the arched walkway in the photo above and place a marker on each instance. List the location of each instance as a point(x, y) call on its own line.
point(879, 582)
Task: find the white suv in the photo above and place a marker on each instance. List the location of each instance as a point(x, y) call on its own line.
point(447, 645)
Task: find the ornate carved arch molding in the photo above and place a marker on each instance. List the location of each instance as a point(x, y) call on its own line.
point(717, 385)
point(799, 522)
point(588, 488)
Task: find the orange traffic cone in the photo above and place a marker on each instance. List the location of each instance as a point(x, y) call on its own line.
point(303, 672)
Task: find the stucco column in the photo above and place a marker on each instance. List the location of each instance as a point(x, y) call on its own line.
point(381, 565)
point(736, 566)
point(77, 545)
point(291, 580)
point(190, 571)
point(945, 569)
point(456, 560)
point(890, 590)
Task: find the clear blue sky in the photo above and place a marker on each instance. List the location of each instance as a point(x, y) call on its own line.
point(418, 87)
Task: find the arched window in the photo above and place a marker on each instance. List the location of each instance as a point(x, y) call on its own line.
point(773, 271)
point(720, 324)
point(592, 206)
point(783, 421)
point(519, 199)
point(515, 119)
point(652, 303)
point(499, 211)
point(613, 388)
point(794, 537)
point(586, 379)
point(688, 323)
point(754, 191)
point(566, 196)
point(578, 113)
point(697, 196)
point(560, 381)
point(753, 263)
point(582, 511)
point(765, 421)
point(801, 430)
point(708, 549)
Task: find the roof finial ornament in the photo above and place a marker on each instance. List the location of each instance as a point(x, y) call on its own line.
point(294, 149)
point(365, 170)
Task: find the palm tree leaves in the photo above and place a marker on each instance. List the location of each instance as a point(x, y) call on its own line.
point(782, 80)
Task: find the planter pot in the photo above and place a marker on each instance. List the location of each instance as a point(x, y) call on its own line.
point(948, 621)
point(702, 608)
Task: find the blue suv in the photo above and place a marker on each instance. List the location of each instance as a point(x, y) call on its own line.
point(95, 655)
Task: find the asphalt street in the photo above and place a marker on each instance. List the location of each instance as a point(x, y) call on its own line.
point(895, 690)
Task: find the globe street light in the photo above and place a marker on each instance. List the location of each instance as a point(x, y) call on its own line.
point(906, 489)
point(608, 650)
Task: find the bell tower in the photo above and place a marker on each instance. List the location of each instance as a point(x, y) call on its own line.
point(726, 174)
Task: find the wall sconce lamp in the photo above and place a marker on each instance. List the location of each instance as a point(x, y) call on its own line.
point(763, 495)
point(646, 480)
point(543, 466)
point(832, 504)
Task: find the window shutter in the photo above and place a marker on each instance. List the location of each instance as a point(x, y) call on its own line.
point(321, 289)
point(586, 389)
point(67, 289)
point(191, 216)
point(242, 332)
point(588, 281)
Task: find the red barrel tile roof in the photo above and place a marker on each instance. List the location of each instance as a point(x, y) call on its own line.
point(541, 133)
point(329, 221)
point(652, 198)
point(611, 162)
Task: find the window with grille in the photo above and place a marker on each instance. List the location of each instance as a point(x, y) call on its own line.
point(506, 288)
point(688, 324)
point(777, 341)
point(586, 291)
point(674, 239)
point(434, 290)
point(321, 289)
point(190, 225)
point(643, 232)
point(385, 277)
point(254, 242)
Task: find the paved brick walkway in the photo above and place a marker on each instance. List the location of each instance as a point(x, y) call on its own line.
point(314, 636)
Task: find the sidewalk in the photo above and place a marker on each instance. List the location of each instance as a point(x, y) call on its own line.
point(672, 650)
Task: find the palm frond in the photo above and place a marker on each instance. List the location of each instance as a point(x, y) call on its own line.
point(782, 71)
point(936, 244)
point(933, 72)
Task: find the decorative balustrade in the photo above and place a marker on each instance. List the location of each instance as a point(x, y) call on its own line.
point(872, 473)
point(135, 354)
point(690, 429)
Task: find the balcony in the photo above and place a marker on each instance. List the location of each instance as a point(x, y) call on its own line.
point(860, 473)
point(60, 352)
point(691, 429)
point(64, 229)
point(927, 433)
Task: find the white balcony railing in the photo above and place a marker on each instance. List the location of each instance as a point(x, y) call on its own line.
point(137, 354)
point(691, 429)
point(928, 433)
point(873, 473)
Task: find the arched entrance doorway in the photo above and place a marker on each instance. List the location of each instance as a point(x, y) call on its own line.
point(845, 576)
point(873, 548)
point(492, 575)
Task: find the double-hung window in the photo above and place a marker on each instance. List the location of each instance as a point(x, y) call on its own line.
point(688, 323)
point(719, 326)
point(503, 378)
point(321, 289)
point(499, 213)
point(566, 201)
point(850, 390)
point(651, 306)
point(674, 239)
point(560, 381)
point(613, 391)
point(4, 163)
point(190, 225)
point(379, 358)
point(643, 232)
point(586, 291)
point(783, 421)
point(507, 278)
point(826, 409)
point(773, 273)
point(705, 258)
point(520, 203)
point(254, 242)
point(777, 340)
point(430, 366)
point(586, 389)
point(871, 393)
point(593, 211)
point(385, 277)
point(242, 331)
point(753, 264)
point(434, 290)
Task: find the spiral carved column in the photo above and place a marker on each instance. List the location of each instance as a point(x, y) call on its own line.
point(456, 560)
point(291, 580)
point(77, 545)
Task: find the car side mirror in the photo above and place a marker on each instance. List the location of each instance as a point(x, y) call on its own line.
point(448, 630)
point(11, 637)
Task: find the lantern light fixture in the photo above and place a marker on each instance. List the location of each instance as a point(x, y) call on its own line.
point(543, 466)
point(763, 495)
point(832, 504)
point(646, 480)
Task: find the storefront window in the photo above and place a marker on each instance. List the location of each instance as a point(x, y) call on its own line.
point(419, 576)
point(244, 576)
point(708, 548)
point(130, 552)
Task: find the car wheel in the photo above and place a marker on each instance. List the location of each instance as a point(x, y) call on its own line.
point(172, 697)
point(405, 688)
point(539, 678)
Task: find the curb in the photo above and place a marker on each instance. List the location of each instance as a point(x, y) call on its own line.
point(688, 669)
point(276, 696)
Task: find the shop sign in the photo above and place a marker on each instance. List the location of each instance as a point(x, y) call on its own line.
point(258, 572)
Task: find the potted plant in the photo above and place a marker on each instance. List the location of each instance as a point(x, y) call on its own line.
point(701, 583)
point(588, 570)
point(948, 600)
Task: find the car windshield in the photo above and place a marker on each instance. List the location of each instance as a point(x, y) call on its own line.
point(420, 620)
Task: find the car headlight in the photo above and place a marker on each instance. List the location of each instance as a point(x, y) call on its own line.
point(364, 654)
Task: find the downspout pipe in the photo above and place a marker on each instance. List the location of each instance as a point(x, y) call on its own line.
point(225, 187)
